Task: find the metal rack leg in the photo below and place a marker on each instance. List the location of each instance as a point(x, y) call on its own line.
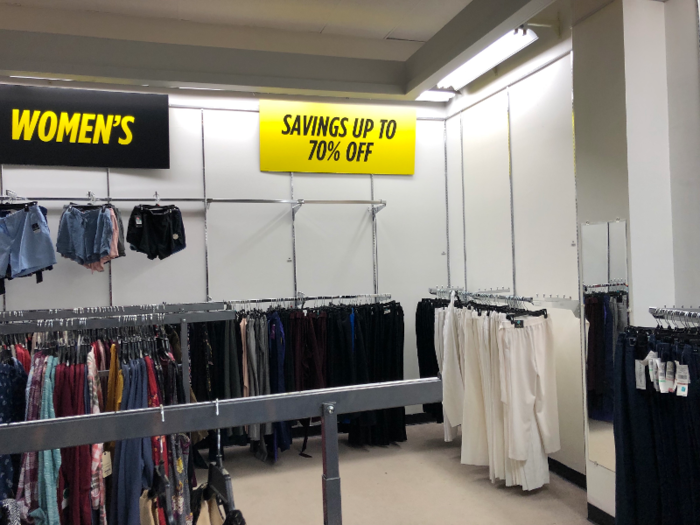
point(185, 348)
point(332, 512)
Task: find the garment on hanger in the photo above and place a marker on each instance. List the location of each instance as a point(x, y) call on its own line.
point(606, 316)
point(499, 385)
point(157, 231)
point(90, 235)
point(25, 242)
point(656, 426)
point(13, 381)
point(295, 349)
point(68, 486)
point(425, 343)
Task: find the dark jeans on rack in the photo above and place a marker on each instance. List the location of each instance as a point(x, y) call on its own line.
point(637, 476)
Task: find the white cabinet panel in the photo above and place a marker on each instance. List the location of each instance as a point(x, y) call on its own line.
point(411, 231)
point(250, 251)
point(232, 146)
point(334, 241)
point(183, 179)
point(544, 203)
point(31, 181)
point(543, 183)
point(487, 195)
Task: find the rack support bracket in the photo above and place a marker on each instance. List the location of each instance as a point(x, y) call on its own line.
point(332, 512)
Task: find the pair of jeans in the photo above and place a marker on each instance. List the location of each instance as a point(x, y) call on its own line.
point(637, 485)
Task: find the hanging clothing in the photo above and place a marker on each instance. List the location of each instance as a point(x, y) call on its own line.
point(428, 364)
point(13, 382)
point(499, 385)
point(287, 350)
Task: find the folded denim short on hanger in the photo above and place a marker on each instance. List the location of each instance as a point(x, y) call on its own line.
point(25, 243)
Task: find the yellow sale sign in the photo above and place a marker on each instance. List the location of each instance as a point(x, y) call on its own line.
point(337, 138)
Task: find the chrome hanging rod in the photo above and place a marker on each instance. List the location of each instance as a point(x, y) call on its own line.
point(496, 293)
point(108, 311)
point(295, 202)
point(303, 298)
point(674, 313)
point(611, 284)
point(498, 297)
point(118, 321)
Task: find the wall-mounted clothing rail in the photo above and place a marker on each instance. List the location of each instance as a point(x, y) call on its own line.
point(675, 314)
point(89, 323)
point(499, 297)
point(490, 295)
point(611, 284)
point(301, 298)
point(294, 202)
point(50, 434)
point(447, 289)
point(108, 311)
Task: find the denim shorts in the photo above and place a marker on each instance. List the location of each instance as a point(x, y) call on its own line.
point(25, 243)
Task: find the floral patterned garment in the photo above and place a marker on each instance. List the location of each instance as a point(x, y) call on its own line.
point(13, 381)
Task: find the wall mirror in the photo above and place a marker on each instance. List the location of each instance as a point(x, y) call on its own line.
point(604, 258)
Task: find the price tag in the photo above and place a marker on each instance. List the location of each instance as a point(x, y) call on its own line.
point(671, 376)
point(661, 376)
point(639, 374)
point(106, 464)
point(682, 380)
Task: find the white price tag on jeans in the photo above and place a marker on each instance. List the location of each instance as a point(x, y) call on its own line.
point(639, 374)
point(682, 380)
point(671, 376)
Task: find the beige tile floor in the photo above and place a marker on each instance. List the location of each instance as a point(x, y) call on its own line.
point(417, 482)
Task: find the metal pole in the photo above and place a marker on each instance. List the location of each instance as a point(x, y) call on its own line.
point(185, 349)
point(332, 511)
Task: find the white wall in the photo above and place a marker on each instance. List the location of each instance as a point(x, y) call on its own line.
point(683, 65)
point(651, 231)
point(536, 149)
point(544, 211)
point(487, 195)
point(411, 231)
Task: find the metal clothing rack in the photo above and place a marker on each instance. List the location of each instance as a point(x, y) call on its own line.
point(495, 294)
point(108, 311)
point(182, 318)
point(681, 315)
point(327, 403)
point(377, 205)
point(612, 284)
point(301, 298)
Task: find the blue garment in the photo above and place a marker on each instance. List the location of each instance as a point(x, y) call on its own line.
point(133, 457)
point(84, 236)
point(282, 438)
point(25, 243)
point(13, 381)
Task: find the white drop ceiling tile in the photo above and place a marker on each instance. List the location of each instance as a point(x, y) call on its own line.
point(367, 18)
point(427, 19)
point(291, 15)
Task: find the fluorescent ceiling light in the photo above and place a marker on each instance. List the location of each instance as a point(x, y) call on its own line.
point(43, 78)
point(201, 88)
point(435, 96)
point(502, 49)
